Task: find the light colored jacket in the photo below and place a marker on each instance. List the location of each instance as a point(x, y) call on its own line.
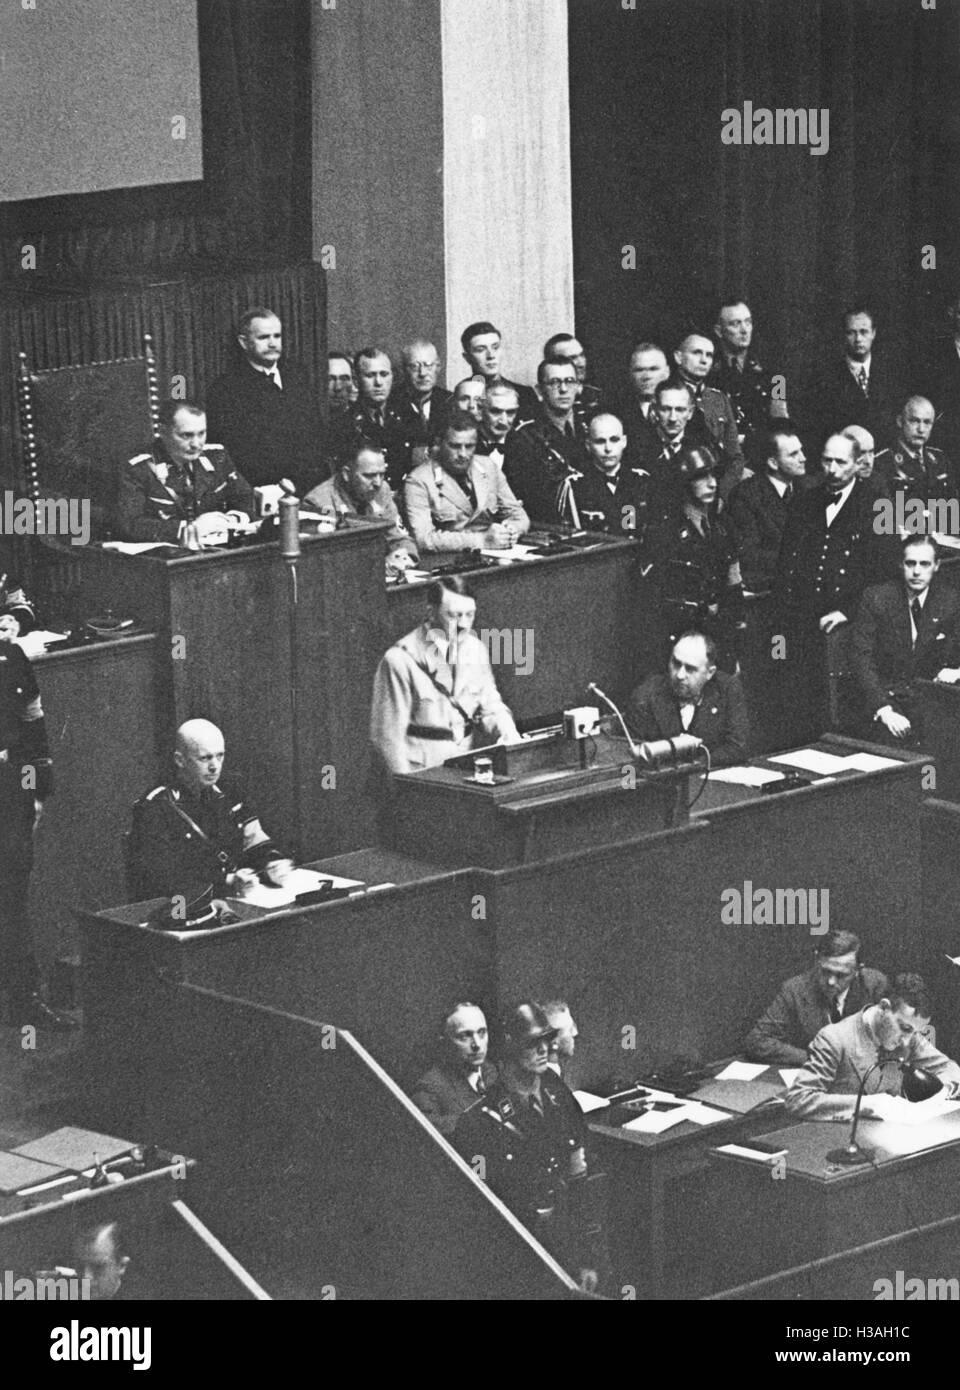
point(412, 690)
point(441, 515)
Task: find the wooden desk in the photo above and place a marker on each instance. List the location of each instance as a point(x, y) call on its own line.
point(940, 715)
point(856, 1221)
point(544, 803)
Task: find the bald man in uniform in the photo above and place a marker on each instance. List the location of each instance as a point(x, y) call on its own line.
point(198, 831)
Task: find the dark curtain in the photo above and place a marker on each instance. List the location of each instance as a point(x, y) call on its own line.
point(254, 199)
point(798, 235)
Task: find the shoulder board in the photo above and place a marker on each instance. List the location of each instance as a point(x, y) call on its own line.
point(214, 449)
point(157, 791)
point(141, 458)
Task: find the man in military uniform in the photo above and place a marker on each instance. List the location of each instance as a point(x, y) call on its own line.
point(757, 396)
point(460, 1073)
point(918, 472)
point(694, 358)
point(674, 426)
point(564, 347)
point(182, 485)
point(358, 490)
point(194, 832)
point(698, 562)
point(610, 496)
point(375, 417)
point(543, 458)
point(527, 1139)
point(482, 345)
point(420, 401)
point(26, 780)
point(831, 551)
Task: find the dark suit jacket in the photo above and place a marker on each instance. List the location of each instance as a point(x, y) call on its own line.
point(823, 569)
point(444, 1095)
point(837, 401)
point(782, 1034)
point(758, 515)
point(269, 434)
point(720, 719)
point(420, 431)
point(884, 660)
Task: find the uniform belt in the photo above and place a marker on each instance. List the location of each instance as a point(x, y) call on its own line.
point(428, 731)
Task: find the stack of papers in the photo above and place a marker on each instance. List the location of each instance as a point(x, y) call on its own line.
point(656, 1121)
point(513, 552)
point(297, 882)
point(587, 1101)
point(746, 776)
point(812, 760)
point(898, 1110)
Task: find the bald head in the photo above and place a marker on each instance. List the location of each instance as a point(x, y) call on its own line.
point(915, 423)
point(198, 754)
point(606, 442)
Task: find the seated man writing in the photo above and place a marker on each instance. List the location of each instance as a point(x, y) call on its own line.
point(195, 832)
point(834, 987)
point(693, 697)
point(359, 490)
point(184, 490)
point(840, 1055)
point(458, 500)
point(434, 694)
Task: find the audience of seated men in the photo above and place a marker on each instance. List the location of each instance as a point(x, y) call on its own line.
point(693, 697)
point(459, 501)
point(894, 1031)
point(835, 987)
point(266, 411)
point(906, 630)
point(543, 455)
point(461, 1072)
point(198, 830)
point(610, 495)
point(183, 490)
point(358, 491)
point(434, 694)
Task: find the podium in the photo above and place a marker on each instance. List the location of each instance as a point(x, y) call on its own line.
point(550, 796)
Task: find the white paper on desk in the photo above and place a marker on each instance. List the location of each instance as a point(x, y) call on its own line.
point(416, 576)
point(587, 1101)
point(35, 643)
point(790, 1074)
point(898, 1110)
point(699, 1114)
point(513, 552)
point(308, 881)
point(741, 1071)
point(746, 776)
point(869, 762)
point(137, 547)
point(656, 1121)
point(812, 760)
point(261, 895)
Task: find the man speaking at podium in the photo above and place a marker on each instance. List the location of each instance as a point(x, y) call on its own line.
point(434, 695)
point(693, 697)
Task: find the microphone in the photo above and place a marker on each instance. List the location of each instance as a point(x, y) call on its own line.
point(290, 528)
point(635, 748)
point(663, 752)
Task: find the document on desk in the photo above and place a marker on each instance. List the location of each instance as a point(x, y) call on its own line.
point(700, 1114)
point(17, 1172)
point(900, 1111)
point(297, 882)
point(812, 760)
point(513, 552)
point(656, 1121)
point(587, 1101)
point(741, 1071)
point(746, 776)
point(77, 1149)
point(137, 547)
point(869, 762)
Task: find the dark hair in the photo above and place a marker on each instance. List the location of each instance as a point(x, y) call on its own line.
point(357, 446)
point(168, 409)
point(541, 369)
point(258, 311)
point(368, 352)
point(460, 1004)
point(918, 539)
point(555, 342)
point(474, 330)
point(838, 943)
point(728, 302)
point(341, 357)
point(648, 347)
point(911, 990)
point(860, 308)
point(673, 383)
point(778, 429)
point(709, 645)
point(446, 584)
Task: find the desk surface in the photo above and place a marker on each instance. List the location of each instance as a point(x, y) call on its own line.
point(808, 1144)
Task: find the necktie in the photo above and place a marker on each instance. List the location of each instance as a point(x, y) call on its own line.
point(466, 483)
point(275, 380)
point(788, 492)
point(916, 608)
point(480, 1088)
point(836, 1013)
point(863, 382)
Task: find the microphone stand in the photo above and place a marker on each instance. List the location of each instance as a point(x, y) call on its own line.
point(852, 1152)
point(289, 509)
